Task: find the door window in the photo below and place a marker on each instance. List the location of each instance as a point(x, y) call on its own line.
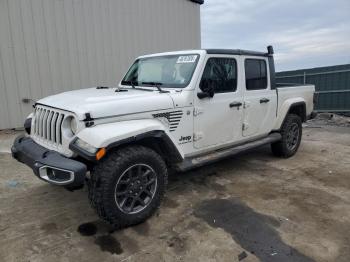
point(255, 74)
point(221, 74)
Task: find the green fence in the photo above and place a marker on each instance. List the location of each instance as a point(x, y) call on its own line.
point(332, 84)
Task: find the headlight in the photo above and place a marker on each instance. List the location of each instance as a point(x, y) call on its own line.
point(74, 125)
point(85, 146)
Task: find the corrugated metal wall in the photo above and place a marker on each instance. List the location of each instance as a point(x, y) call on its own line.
point(332, 84)
point(50, 46)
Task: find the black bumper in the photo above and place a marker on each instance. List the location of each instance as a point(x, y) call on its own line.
point(312, 115)
point(49, 165)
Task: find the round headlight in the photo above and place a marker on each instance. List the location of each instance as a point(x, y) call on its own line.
point(74, 125)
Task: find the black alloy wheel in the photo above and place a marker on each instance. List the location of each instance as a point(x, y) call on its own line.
point(291, 132)
point(293, 136)
point(135, 188)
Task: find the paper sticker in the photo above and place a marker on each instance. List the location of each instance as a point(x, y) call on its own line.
point(186, 59)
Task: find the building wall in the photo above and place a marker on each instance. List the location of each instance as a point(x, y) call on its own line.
point(332, 84)
point(51, 46)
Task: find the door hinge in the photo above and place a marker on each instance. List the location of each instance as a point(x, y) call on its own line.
point(197, 136)
point(197, 111)
point(245, 126)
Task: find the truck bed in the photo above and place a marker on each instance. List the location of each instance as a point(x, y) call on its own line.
point(288, 94)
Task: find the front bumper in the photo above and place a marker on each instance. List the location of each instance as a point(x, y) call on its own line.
point(49, 165)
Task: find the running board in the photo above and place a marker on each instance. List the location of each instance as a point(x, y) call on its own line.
point(202, 160)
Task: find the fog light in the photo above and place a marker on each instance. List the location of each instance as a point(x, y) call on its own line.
point(56, 176)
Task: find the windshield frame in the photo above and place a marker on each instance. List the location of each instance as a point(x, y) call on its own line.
point(123, 82)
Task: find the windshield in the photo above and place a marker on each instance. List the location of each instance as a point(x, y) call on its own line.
point(168, 71)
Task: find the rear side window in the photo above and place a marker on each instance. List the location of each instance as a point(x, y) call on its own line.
point(255, 74)
point(221, 73)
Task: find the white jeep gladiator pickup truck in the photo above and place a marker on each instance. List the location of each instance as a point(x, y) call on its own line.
point(176, 110)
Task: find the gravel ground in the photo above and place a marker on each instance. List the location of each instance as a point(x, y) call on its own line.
point(329, 119)
point(253, 207)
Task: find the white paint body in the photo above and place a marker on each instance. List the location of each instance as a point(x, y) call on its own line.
point(207, 124)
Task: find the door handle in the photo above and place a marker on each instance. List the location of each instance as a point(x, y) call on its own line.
point(264, 100)
point(236, 104)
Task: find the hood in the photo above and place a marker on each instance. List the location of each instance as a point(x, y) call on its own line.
point(107, 102)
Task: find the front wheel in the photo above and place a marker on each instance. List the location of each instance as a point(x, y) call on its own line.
point(127, 187)
point(291, 132)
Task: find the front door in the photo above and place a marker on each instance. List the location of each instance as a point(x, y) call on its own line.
point(260, 101)
point(218, 119)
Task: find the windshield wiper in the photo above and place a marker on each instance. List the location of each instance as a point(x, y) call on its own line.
point(129, 82)
point(132, 83)
point(157, 85)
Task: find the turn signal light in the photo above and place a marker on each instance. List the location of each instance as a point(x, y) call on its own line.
point(100, 153)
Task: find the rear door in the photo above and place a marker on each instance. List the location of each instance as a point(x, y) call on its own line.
point(218, 120)
point(259, 111)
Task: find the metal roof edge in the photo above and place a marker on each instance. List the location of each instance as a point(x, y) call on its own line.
point(235, 52)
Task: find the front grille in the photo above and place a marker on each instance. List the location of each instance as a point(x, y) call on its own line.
point(48, 124)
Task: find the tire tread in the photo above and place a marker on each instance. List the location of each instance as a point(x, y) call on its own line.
point(279, 148)
point(104, 173)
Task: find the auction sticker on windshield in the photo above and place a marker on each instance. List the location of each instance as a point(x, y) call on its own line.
point(186, 59)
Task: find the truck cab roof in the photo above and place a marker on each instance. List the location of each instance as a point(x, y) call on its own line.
point(214, 52)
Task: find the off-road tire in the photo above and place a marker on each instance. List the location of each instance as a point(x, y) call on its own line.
point(105, 175)
point(281, 148)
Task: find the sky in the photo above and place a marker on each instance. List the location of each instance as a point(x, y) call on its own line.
point(304, 33)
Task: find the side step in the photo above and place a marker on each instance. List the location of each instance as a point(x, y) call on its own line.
point(202, 160)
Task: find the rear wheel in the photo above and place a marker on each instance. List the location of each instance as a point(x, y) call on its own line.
point(127, 187)
point(291, 132)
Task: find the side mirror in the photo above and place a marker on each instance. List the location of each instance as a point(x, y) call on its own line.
point(207, 88)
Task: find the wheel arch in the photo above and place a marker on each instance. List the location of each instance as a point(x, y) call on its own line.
point(297, 107)
point(150, 133)
point(157, 140)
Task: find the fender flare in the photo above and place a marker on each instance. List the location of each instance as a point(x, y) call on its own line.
point(286, 109)
point(164, 144)
point(303, 107)
point(113, 135)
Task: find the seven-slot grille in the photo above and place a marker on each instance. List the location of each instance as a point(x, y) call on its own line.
point(173, 118)
point(48, 124)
